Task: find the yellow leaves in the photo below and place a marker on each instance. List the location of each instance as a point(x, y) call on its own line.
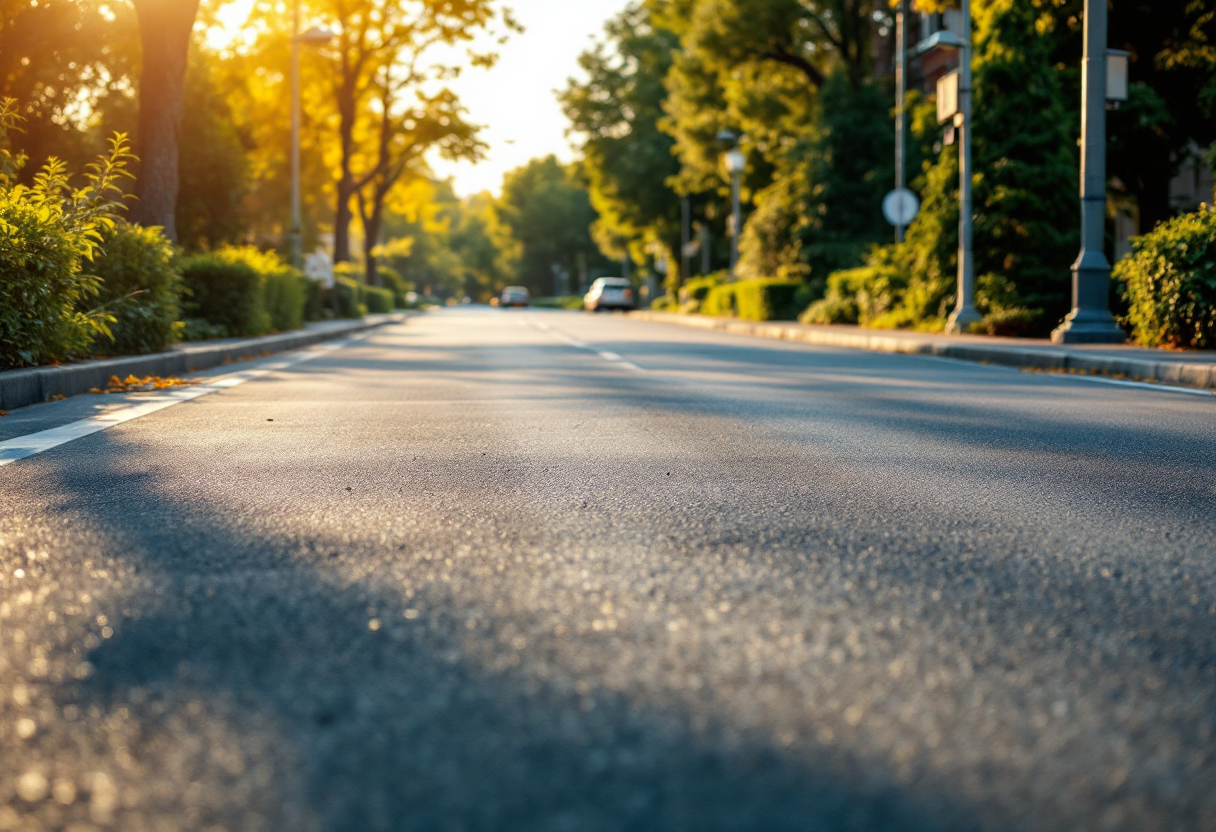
point(135, 384)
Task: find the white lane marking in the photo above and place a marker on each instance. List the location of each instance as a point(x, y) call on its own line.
point(583, 345)
point(24, 447)
point(1143, 385)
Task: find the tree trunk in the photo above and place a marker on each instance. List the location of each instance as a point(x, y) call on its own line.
point(165, 27)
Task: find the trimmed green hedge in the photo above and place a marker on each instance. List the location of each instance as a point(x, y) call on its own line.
point(1169, 281)
point(140, 288)
point(754, 300)
point(244, 292)
point(346, 298)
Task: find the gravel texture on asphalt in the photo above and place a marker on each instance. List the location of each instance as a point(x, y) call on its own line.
point(464, 575)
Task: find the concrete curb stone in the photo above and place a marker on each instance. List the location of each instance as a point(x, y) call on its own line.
point(1181, 372)
point(19, 388)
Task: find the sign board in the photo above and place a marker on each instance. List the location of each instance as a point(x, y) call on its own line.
point(320, 267)
point(947, 97)
point(900, 207)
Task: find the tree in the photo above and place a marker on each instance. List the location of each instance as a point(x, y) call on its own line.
point(550, 215)
point(384, 48)
point(627, 159)
point(165, 27)
point(68, 64)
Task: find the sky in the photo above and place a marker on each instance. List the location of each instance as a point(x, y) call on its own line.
point(515, 100)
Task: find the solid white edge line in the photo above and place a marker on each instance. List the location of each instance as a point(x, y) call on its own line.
point(24, 447)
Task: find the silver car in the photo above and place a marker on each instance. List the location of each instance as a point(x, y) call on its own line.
point(609, 293)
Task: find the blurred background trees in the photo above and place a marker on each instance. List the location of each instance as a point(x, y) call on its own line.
point(807, 85)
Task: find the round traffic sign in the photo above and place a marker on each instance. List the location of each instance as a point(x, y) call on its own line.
point(900, 207)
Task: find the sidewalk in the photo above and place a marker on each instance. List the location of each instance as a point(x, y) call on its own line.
point(1185, 369)
point(19, 388)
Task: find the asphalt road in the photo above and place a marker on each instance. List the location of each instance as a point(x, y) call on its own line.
point(501, 570)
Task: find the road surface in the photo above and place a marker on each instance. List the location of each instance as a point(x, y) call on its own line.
point(525, 570)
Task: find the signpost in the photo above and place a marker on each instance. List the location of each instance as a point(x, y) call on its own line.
point(900, 207)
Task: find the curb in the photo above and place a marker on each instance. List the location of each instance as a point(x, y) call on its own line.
point(19, 388)
point(1051, 359)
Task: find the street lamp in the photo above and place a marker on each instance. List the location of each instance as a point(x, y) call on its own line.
point(965, 314)
point(314, 37)
point(735, 163)
point(1090, 321)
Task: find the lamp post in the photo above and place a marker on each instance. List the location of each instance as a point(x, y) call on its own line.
point(901, 83)
point(964, 313)
point(313, 37)
point(735, 163)
point(1090, 321)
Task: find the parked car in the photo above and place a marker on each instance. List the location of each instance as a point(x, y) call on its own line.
point(609, 293)
point(514, 296)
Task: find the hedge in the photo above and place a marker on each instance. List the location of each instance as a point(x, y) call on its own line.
point(754, 300)
point(140, 285)
point(244, 292)
point(1169, 282)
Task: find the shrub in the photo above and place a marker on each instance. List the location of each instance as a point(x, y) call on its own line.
point(1170, 283)
point(47, 233)
point(314, 300)
point(559, 302)
point(346, 298)
point(754, 300)
point(139, 287)
point(665, 303)
point(378, 300)
point(857, 296)
point(226, 294)
point(392, 280)
point(694, 291)
point(243, 291)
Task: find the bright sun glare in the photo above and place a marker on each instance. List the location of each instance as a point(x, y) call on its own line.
point(514, 101)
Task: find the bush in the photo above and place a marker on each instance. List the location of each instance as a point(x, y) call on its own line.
point(391, 279)
point(226, 294)
point(314, 300)
point(1169, 281)
point(242, 291)
point(754, 300)
point(856, 296)
point(139, 287)
point(665, 303)
point(694, 291)
point(561, 302)
point(378, 300)
point(346, 298)
point(48, 232)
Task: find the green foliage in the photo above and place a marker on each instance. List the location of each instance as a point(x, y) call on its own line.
point(378, 300)
point(820, 214)
point(550, 214)
point(215, 168)
point(140, 285)
point(754, 300)
point(693, 292)
point(242, 292)
point(627, 160)
point(346, 298)
point(225, 294)
point(857, 296)
point(563, 302)
point(392, 280)
point(1170, 283)
point(49, 232)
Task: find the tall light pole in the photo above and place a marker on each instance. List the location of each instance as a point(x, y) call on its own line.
point(313, 37)
point(901, 85)
point(735, 163)
point(965, 313)
point(1090, 321)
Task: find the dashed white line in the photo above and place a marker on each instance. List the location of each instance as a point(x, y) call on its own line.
point(583, 345)
point(24, 447)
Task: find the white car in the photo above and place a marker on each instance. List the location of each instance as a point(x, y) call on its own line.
point(609, 293)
